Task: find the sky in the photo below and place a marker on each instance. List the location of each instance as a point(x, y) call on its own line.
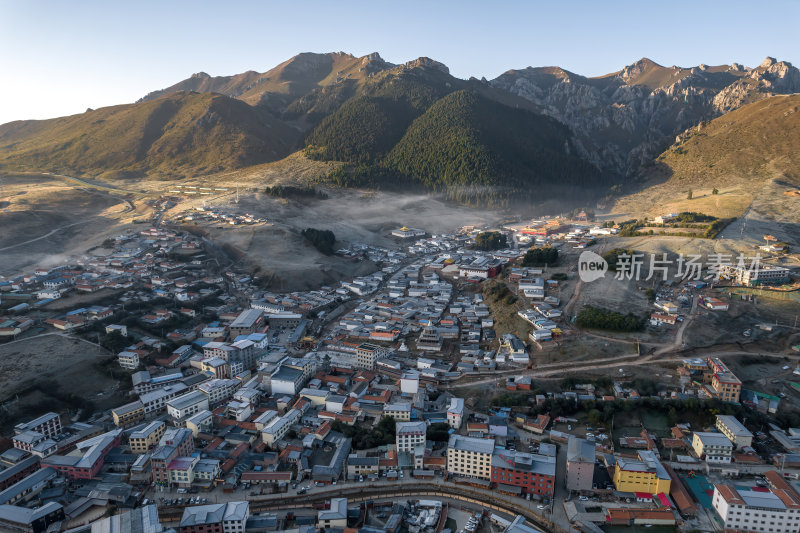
point(59, 58)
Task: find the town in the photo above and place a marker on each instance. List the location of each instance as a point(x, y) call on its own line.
point(460, 386)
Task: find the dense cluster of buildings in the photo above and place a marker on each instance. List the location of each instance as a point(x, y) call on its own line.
point(250, 388)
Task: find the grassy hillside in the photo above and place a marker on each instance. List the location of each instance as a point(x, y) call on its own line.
point(362, 130)
point(175, 135)
point(736, 153)
point(754, 141)
point(479, 151)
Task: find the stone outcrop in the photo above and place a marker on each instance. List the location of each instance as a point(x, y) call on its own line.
point(622, 120)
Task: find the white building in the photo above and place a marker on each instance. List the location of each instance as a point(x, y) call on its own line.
point(410, 438)
point(157, 400)
point(128, 360)
point(277, 428)
point(231, 517)
point(123, 330)
point(760, 274)
point(335, 403)
point(712, 447)
point(455, 413)
point(734, 430)
point(409, 382)
point(239, 411)
point(187, 405)
point(335, 516)
point(48, 424)
point(286, 380)
point(219, 390)
point(776, 511)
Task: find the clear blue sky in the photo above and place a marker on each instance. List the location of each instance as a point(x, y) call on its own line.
point(60, 57)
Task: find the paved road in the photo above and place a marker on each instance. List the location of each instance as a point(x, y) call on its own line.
point(618, 361)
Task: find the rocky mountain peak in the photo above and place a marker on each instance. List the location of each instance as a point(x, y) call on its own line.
point(374, 56)
point(768, 62)
point(640, 67)
point(201, 75)
point(426, 62)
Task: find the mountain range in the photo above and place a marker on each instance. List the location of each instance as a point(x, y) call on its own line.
point(537, 130)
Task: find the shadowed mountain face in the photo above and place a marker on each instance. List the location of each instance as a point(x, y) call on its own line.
point(624, 119)
point(412, 123)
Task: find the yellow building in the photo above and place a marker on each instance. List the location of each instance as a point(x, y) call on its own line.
point(645, 475)
point(128, 415)
point(143, 440)
point(470, 456)
point(400, 411)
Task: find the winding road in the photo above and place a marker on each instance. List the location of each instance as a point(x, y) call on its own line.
point(46, 235)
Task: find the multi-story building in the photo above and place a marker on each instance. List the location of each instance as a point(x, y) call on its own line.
point(17, 472)
point(176, 442)
point(367, 355)
point(580, 464)
point(410, 439)
point(35, 443)
point(645, 475)
point(757, 275)
point(532, 473)
point(156, 400)
point(361, 466)
point(228, 517)
point(142, 440)
point(207, 470)
point(216, 367)
point(186, 405)
point(48, 424)
point(726, 386)
point(734, 430)
point(219, 390)
point(143, 382)
point(470, 457)
point(200, 422)
point(286, 380)
point(181, 471)
point(429, 339)
point(774, 511)
point(247, 322)
point(128, 360)
point(128, 415)
point(88, 460)
point(335, 516)
point(400, 411)
point(239, 411)
point(455, 413)
point(712, 447)
point(277, 428)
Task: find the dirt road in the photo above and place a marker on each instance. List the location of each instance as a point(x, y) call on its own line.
point(559, 369)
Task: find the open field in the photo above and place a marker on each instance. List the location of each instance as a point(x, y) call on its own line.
point(288, 262)
point(64, 219)
point(42, 373)
point(45, 220)
point(671, 197)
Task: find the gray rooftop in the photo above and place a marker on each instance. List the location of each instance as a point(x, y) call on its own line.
point(736, 427)
point(471, 444)
point(580, 450)
point(713, 439)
